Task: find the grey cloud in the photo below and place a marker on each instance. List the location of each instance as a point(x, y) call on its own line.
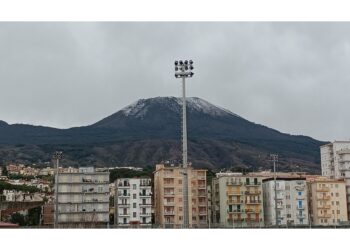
point(293, 77)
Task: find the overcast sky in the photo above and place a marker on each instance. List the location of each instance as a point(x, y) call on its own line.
point(294, 77)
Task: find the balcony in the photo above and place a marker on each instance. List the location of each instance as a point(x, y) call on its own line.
point(124, 215)
point(322, 189)
point(169, 194)
point(144, 194)
point(123, 204)
point(234, 183)
point(253, 211)
point(236, 211)
point(235, 202)
point(253, 202)
point(124, 195)
point(252, 192)
point(202, 204)
point(324, 215)
point(253, 183)
point(202, 194)
point(302, 216)
point(169, 212)
point(234, 194)
point(169, 204)
point(301, 207)
point(145, 204)
point(325, 197)
point(324, 206)
point(145, 214)
point(204, 212)
point(169, 184)
point(202, 187)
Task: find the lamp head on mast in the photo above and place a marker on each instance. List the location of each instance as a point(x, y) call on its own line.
point(183, 69)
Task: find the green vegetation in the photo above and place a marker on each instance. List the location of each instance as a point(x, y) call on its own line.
point(32, 219)
point(4, 171)
point(21, 177)
point(24, 188)
point(128, 173)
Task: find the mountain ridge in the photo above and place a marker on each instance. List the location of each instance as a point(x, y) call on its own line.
point(217, 137)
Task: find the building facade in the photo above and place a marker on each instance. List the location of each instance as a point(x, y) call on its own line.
point(335, 163)
point(292, 202)
point(168, 197)
point(133, 203)
point(327, 201)
point(237, 200)
point(83, 198)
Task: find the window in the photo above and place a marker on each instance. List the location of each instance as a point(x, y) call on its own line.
point(337, 203)
point(337, 194)
point(336, 185)
point(338, 211)
point(134, 205)
point(289, 216)
point(134, 214)
point(299, 193)
point(180, 181)
point(300, 204)
point(125, 211)
point(180, 190)
point(134, 186)
point(134, 196)
point(124, 221)
point(180, 217)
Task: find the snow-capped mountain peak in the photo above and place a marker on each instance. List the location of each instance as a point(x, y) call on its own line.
point(140, 108)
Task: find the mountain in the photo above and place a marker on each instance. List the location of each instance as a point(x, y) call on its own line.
point(149, 131)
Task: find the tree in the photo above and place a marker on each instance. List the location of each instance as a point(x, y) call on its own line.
point(4, 171)
point(18, 218)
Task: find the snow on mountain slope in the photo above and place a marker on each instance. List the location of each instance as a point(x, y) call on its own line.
point(140, 108)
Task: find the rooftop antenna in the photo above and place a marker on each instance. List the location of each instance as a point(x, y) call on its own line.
point(183, 70)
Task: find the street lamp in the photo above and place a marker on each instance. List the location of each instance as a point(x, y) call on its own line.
point(183, 69)
point(57, 156)
point(274, 158)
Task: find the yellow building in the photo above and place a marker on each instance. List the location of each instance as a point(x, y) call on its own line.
point(168, 196)
point(237, 200)
point(327, 201)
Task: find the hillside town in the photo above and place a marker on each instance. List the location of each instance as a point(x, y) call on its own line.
point(89, 198)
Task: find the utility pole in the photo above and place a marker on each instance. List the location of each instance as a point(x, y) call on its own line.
point(184, 70)
point(274, 158)
point(56, 157)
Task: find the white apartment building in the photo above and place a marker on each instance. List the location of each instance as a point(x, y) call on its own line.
point(292, 205)
point(335, 163)
point(133, 203)
point(83, 198)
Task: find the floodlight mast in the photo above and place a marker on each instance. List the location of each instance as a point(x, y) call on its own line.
point(184, 70)
point(56, 157)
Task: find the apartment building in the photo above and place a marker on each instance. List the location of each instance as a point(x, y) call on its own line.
point(327, 201)
point(291, 198)
point(168, 196)
point(133, 203)
point(237, 200)
point(335, 163)
point(83, 198)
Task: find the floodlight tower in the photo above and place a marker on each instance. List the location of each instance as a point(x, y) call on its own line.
point(183, 69)
point(57, 156)
point(274, 158)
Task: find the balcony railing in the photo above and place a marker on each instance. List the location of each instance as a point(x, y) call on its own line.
point(235, 201)
point(234, 183)
point(253, 202)
point(253, 183)
point(169, 212)
point(252, 192)
point(324, 206)
point(169, 194)
point(322, 189)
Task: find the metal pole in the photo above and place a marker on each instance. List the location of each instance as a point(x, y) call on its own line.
point(184, 155)
point(56, 193)
point(274, 159)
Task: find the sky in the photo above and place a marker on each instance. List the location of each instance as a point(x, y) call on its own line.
point(293, 77)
